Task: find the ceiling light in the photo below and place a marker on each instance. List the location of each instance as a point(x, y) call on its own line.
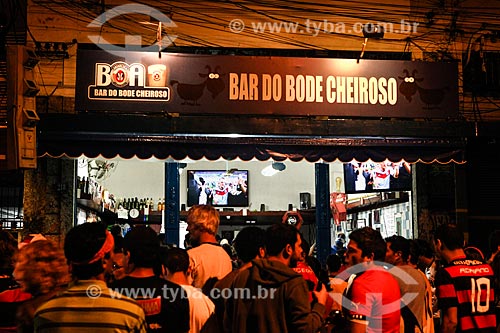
point(273, 169)
point(182, 166)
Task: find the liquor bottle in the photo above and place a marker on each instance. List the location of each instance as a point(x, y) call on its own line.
point(91, 188)
point(85, 187)
point(159, 205)
point(146, 210)
point(78, 188)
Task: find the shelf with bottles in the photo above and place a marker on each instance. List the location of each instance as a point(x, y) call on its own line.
point(140, 204)
point(154, 217)
point(111, 217)
point(94, 194)
point(104, 214)
point(143, 211)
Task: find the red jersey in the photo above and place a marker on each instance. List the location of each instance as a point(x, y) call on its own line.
point(375, 301)
point(308, 275)
point(312, 282)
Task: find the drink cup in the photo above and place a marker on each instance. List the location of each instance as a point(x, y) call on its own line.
point(157, 75)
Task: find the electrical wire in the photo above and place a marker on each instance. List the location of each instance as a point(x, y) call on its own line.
point(446, 29)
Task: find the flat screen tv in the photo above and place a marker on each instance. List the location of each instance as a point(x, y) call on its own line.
point(219, 188)
point(365, 177)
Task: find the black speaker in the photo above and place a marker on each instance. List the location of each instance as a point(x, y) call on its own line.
point(305, 200)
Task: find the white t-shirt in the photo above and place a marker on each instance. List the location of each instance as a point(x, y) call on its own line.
point(208, 260)
point(200, 308)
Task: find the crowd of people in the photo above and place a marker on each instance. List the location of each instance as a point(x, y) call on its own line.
point(101, 281)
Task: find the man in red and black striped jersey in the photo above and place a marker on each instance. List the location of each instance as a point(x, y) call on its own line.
point(464, 287)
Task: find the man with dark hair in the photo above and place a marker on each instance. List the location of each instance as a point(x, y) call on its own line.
point(201, 308)
point(464, 287)
point(416, 303)
point(165, 310)
point(249, 245)
point(275, 297)
point(374, 297)
point(398, 250)
point(334, 266)
point(426, 262)
point(88, 305)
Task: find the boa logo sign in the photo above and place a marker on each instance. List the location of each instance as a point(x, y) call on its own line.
point(121, 81)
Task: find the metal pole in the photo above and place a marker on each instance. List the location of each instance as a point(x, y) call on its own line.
point(323, 213)
point(172, 203)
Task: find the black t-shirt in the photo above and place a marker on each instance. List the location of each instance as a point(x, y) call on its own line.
point(165, 303)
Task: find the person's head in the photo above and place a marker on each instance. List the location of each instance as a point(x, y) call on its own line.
point(474, 253)
point(413, 257)
point(304, 245)
point(118, 263)
point(187, 241)
point(398, 250)
point(86, 247)
point(448, 237)
point(142, 248)
point(341, 253)
point(116, 230)
point(283, 240)
point(249, 243)
point(365, 245)
point(8, 248)
point(161, 239)
point(494, 241)
point(228, 248)
point(339, 244)
point(425, 253)
point(176, 260)
point(202, 219)
point(333, 263)
point(41, 268)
